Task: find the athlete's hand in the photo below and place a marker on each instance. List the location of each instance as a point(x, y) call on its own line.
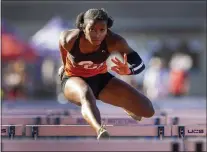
point(61, 71)
point(121, 68)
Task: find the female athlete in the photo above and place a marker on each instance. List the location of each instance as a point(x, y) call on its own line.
point(84, 75)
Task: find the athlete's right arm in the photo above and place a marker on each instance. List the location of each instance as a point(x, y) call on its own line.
point(66, 41)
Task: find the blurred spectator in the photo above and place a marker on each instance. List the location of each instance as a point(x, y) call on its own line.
point(14, 80)
point(179, 78)
point(155, 79)
point(2, 94)
point(48, 72)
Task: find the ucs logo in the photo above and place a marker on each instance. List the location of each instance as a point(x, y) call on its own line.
point(200, 131)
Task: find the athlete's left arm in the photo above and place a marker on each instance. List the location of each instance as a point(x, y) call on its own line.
point(136, 63)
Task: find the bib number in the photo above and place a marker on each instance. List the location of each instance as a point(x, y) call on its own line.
point(89, 65)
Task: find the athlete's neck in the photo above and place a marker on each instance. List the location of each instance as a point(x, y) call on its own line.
point(88, 45)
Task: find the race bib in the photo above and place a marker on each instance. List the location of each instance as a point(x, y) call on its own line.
point(89, 65)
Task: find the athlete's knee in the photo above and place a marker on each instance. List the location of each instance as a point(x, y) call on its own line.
point(145, 109)
point(149, 113)
point(149, 109)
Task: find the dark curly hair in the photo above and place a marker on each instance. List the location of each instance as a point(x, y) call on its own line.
point(94, 14)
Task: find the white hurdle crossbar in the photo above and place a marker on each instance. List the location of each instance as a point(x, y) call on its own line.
point(86, 130)
point(78, 120)
point(118, 120)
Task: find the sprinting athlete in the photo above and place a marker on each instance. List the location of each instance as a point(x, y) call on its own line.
point(84, 72)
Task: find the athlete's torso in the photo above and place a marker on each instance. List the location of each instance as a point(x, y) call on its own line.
point(86, 64)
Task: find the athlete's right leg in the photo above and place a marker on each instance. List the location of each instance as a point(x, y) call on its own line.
point(77, 91)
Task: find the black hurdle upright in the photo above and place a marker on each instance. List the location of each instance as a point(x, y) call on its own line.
point(57, 120)
point(160, 132)
point(199, 147)
point(163, 113)
point(175, 121)
point(157, 121)
point(48, 119)
point(175, 147)
point(38, 121)
point(66, 113)
point(35, 132)
point(11, 131)
point(181, 131)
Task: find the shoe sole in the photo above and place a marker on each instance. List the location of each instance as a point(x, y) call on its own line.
point(103, 135)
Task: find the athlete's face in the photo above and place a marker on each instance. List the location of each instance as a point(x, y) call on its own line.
point(95, 31)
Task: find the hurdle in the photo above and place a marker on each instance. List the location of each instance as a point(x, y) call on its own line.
point(83, 131)
point(11, 131)
point(189, 131)
point(117, 117)
point(75, 117)
point(86, 131)
point(115, 120)
point(93, 145)
point(159, 131)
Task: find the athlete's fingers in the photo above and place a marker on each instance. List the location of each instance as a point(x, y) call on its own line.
point(125, 58)
point(115, 69)
point(115, 62)
point(119, 61)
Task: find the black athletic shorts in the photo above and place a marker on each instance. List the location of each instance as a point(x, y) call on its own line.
point(96, 83)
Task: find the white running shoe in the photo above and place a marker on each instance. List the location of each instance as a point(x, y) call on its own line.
point(102, 133)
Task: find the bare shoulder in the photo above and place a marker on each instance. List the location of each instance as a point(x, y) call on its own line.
point(68, 37)
point(115, 41)
point(114, 37)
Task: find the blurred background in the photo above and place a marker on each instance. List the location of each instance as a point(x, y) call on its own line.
point(170, 36)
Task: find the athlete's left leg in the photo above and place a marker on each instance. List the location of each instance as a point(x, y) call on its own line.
point(121, 94)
